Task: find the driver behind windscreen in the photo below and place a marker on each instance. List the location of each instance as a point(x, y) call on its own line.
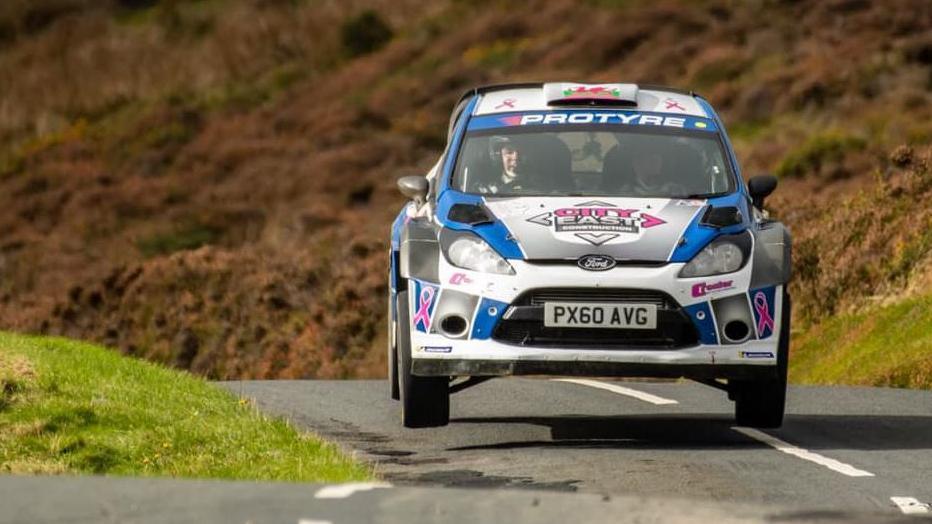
point(507, 160)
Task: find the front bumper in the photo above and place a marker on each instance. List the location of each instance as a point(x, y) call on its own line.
point(484, 300)
point(436, 355)
point(500, 368)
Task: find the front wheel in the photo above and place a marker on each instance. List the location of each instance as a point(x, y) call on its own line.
point(425, 401)
point(762, 403)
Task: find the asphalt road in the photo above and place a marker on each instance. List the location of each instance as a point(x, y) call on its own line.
point(157, 501)
point(841, 449)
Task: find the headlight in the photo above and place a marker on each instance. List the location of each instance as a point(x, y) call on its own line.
point(471, 252)
point(725, 255)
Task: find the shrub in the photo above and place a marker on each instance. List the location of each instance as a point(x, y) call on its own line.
point(191, 236)
point(818, 151)
point(365, 33)
point(137, 4)
point(27, 18)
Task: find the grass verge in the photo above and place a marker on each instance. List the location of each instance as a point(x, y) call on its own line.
point(884, 346)
point(72, 407)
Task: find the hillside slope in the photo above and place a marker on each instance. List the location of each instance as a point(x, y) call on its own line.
point(209, 185)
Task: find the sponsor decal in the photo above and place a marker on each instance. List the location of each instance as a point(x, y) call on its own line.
point(424, 307)
point(437, 349)
point(596, 262)
point(594, 118)
point(460, 278)
point(765, 323)
point(600, 92)
point(755, 354)
point(702, 289)
point(673, 104)
point(596, 222)
point(508, 102)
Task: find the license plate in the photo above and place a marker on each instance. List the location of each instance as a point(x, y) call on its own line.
point(611, 316)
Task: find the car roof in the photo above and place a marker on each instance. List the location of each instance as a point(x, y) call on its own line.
point(547, 96)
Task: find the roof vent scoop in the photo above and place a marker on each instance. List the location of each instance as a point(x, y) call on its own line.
point(721, 216)
point(564, 94)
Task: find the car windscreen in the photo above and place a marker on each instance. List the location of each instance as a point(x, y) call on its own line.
point(602, 160)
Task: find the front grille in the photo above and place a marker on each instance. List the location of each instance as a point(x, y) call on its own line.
point(523, 323)
point(639, 296)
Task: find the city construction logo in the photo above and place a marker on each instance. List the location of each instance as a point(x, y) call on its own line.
point(596, 222)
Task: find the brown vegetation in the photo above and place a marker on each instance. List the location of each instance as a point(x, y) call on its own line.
point(210, 184)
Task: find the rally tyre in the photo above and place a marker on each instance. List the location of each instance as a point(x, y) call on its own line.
point(392, 336)
point(425, 401)
point(761, 403)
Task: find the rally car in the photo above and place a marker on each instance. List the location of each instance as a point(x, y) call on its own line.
point(577, 229)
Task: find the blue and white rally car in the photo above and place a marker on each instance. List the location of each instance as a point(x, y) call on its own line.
point(587, 230)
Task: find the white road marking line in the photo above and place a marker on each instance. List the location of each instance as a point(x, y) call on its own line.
point(910, 506)
point(312, 521)
point(341, 491)
point(796, 451)
point(621, 390)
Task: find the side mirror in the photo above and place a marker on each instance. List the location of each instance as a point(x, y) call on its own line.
point(760, 187)
point(414, 187)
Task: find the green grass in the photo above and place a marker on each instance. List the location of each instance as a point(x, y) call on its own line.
point(72, 407)
point(883, 346)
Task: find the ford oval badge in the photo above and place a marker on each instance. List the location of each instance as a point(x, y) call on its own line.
point(596, 262)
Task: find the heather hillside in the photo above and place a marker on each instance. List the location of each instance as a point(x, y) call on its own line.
point(209, 184)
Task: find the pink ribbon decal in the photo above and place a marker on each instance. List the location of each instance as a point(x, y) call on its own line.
point(764, 319)
point(423, 311)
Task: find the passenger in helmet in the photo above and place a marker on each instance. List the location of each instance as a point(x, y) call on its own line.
point(651, 169)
